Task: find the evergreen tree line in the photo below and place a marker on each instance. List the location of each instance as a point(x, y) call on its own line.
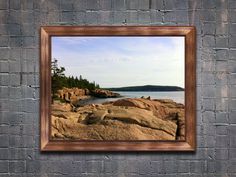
point(59, 80)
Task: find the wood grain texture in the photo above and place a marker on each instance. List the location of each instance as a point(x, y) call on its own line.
point(189, 32)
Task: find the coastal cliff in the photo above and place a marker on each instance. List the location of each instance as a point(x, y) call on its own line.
point(73, 95)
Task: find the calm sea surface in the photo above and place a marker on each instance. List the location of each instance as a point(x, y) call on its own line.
point(176, 96)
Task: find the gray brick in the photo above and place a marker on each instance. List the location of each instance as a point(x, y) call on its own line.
point(232, 79)
point(222, 104)
point(222, 54)
point(170, 16)
point(232, 142)
point(221, 130)
point(222, 141)
point(4, 141)
point(232, 153)
point(221, 167)
point(4, 129)
point(209, 4)
point(208, 66)
point(4, 167)
point(132, 4)
point(119, 17)
point(221, 65)
point(222, 29)
point(232, 14)
point(132, 17)
point(92, 4)
point(52, 16)
point(232, 4)
point(144, 17)
point(106, 17)
point(14, 17)
point(169, 4)
point(232, 66)
point(106, 4)
point(208, 117)
point(14, 79)
point(208, 79)
point(221, 81)
point(4, 117)
point(232, 54)
point(232, 29)
point(14, 66)
point(68, 5)
point(209, 104)
point(208, 41)
point(181, 4)
point(4, 5)
point(67, 17)
point(221, 117)
point(222, 42)
point(21, 141)
point(232, 117)
point(182, 16)
point(232, 91)
point(13, 29)
point(15, 4)
point(209, 15)
point(4, 79)
point(221, 4)
point(4, 41)
point(232, 104)
point(3, 154)
point(196, 166)
point(156, 16)
point(118, 4)
point(183, 166)
point(91, 17)
point(209, 92)
point(4, 66)
point(4, 105)
point(27, 4)
point(209, 28)
point(157, 4)
point(28, 29)
point(144, 4)
point(170, 167)
point(80, 5)
point(17, 167)
point(222, 154)
point(4, 53)
point(16, 41)
point(222, 16)
point(28, 41)
point(232, 41)
point(4, 92)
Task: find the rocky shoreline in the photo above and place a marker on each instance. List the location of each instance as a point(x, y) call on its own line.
point(75, 95)
point(124, 119)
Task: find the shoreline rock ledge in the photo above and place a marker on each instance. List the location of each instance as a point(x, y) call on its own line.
point(124, 119)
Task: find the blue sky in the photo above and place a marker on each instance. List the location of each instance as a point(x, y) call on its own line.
point(122, 61)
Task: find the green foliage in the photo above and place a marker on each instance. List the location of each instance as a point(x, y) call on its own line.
point(59, 80)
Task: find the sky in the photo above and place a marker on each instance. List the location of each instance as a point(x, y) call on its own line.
point(122, 61)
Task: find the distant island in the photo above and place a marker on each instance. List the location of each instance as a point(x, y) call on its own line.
point(147, 88)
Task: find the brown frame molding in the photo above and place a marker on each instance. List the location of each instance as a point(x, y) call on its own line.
point(189, 144)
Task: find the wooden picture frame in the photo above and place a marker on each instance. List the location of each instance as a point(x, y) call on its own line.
point(189, 144)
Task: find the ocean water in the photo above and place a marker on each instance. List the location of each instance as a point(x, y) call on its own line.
point(176, 96)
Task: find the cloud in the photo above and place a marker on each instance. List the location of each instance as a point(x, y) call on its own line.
point(122, 61)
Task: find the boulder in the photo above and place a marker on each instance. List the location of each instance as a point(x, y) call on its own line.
point(104, 93)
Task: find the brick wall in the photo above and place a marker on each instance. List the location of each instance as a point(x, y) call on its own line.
point(19, 87)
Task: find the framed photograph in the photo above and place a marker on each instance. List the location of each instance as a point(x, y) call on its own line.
point(118, 88)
